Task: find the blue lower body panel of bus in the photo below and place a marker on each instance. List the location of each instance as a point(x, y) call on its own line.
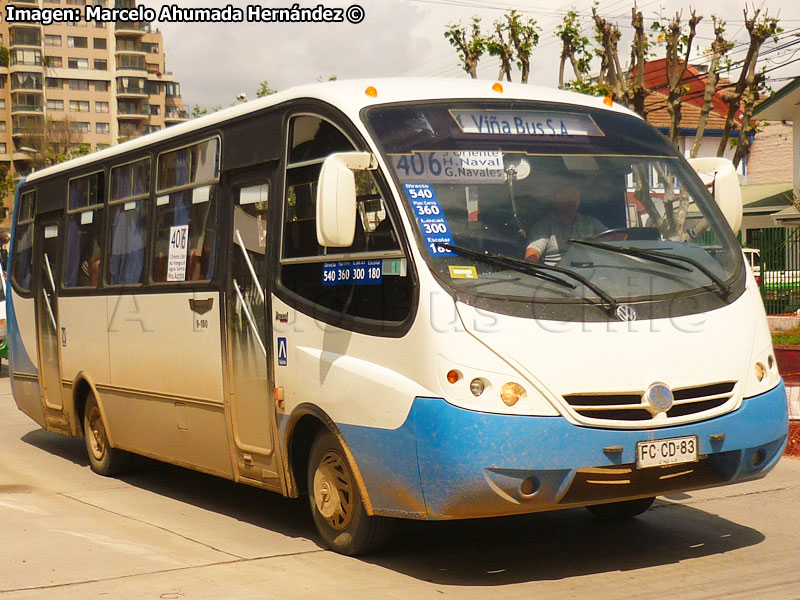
point(446, 462)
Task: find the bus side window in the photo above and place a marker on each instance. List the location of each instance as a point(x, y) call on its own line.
point(129, 205)
point(186, 213)
point(368, 295)
point(84, 231)
point(22, 259)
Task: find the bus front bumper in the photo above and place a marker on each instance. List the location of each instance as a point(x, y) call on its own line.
point(450, 463)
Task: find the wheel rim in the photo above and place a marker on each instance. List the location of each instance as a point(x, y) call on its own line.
point(96, 433)
point(333, 490)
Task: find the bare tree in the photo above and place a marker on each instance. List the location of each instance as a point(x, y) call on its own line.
point(50, 142)
point(749, 81)
point(678, 53)
point(719, 48)
point(470, 47)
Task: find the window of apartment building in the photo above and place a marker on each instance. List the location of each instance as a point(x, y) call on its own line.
point(100, 86)
point(151, 88)
point(173, 90)
point(79, 85)
point(78, 63)
point(77, 2)
point(28, 81)
point(100, 65)
point(2, 103)
point(55, 105)
point(79, 24)
point(101, 107)
point(54, 62)
point(2, 126)
point(54, 83)
point(25, 37)
point(52, 1)
point(26, 57)
point(74, 41)
point(155, 109)
point(3, 148)
point(150, 48)
point(79, 105)
point(100, 43)
point(152, 128)
point(102, 128)
point(52, 40)
point(79, 126)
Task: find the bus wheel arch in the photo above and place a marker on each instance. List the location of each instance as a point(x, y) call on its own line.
point(304, 424)
point(103, 458)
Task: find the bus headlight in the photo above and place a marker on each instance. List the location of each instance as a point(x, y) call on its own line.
point(511, 392)
point(761, 371)
point(477, 386)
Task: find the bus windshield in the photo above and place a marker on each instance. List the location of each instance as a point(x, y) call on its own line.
point(553, 203)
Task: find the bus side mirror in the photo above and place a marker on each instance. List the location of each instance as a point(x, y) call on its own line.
point(721, 174)
point(336, 198)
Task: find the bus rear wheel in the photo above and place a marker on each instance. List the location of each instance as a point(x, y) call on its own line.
point(620, 511)
point(103, 459)
point(336, 505)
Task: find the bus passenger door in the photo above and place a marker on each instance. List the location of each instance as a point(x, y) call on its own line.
point(47, 328)
point(252, 407)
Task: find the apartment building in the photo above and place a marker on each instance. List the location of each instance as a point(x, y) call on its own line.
point(80, 83)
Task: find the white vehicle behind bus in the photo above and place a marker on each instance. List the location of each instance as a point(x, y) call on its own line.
point(325, 292)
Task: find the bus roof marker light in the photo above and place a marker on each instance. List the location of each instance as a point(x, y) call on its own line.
point(497, 87)
point(608, 101)
point(371, 92)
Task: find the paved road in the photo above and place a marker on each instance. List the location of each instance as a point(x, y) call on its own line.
point(167, 533)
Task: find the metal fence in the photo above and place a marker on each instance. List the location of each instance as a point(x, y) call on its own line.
point(779, 268)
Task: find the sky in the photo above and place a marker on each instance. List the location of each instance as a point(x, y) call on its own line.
point(215, 62)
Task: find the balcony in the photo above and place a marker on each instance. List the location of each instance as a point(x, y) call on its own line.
point(27, 131)
point(127, 47)
point(133, 28)
point(26, 108)
point(175, 116)
point(131, 92)
point(133, 114)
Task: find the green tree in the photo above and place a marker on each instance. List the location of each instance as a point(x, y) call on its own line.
point(497, 45)
point(524, 36)
point(469, 46)
point(3, 56)
point(264, 89)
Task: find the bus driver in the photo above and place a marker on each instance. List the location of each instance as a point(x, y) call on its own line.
point(548, 237)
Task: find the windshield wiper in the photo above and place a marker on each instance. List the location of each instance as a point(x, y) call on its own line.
point(661, 258)
point(508, 263)
point(537, 269)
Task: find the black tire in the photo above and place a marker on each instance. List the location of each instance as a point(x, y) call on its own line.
point(103, 459)
point(336, 505)
point(620, 511)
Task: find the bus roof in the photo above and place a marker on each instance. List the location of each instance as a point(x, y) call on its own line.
point(350, 97)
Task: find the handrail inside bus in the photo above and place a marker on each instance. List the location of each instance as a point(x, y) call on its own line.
point(250, 265)
point(249, 316)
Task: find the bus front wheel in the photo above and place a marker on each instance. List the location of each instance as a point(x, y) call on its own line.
point(336, 504)
point(620, 511)
point(103, 459)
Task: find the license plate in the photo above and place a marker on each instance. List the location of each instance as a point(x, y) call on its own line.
point(671, 451)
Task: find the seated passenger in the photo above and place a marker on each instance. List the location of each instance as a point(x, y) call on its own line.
point(547, 239)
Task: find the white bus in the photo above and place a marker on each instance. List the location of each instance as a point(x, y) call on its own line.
point(325, 292)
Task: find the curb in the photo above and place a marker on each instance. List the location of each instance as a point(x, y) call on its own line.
point(793, 445)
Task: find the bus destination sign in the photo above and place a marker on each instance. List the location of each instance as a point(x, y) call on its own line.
point(525, 122)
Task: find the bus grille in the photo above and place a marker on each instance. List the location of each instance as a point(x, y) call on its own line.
point(629, 406)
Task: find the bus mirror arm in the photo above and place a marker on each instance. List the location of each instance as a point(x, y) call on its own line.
point(336, 197)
